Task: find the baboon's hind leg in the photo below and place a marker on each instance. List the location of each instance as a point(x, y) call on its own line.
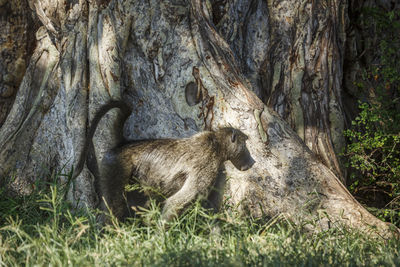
point(112, 188)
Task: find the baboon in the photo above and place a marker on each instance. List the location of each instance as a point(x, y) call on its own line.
point(178, 169)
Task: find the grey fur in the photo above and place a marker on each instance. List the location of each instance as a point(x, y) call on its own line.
point(178, 169)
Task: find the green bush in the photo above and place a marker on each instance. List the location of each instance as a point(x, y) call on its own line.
point(373, 151)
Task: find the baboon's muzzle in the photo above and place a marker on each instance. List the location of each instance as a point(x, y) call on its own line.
point(244, 161)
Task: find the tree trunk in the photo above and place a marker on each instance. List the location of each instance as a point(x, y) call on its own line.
point(287, 54)
point(17, 31)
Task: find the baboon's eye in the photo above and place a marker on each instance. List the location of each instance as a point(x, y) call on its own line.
point(233, 137)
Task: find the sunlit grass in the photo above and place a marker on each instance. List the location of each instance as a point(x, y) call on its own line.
point(41, 231)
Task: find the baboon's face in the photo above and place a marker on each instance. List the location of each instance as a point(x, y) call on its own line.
point(238, 153)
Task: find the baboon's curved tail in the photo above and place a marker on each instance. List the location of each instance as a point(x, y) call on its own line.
point(126, 111)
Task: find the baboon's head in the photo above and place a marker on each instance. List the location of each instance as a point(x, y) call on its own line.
point(234, 142)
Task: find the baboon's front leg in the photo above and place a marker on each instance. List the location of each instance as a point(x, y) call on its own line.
point(193, 187)
point(178, 202)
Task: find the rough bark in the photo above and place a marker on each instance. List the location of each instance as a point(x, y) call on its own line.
point(292, 54)
point(149, 52)
point(17, 33)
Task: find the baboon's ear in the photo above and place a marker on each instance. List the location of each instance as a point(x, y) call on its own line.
point(233, 136)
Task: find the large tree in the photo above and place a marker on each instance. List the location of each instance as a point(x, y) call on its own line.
point(245, 58)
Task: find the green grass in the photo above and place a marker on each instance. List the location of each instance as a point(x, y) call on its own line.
point(39, 230)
